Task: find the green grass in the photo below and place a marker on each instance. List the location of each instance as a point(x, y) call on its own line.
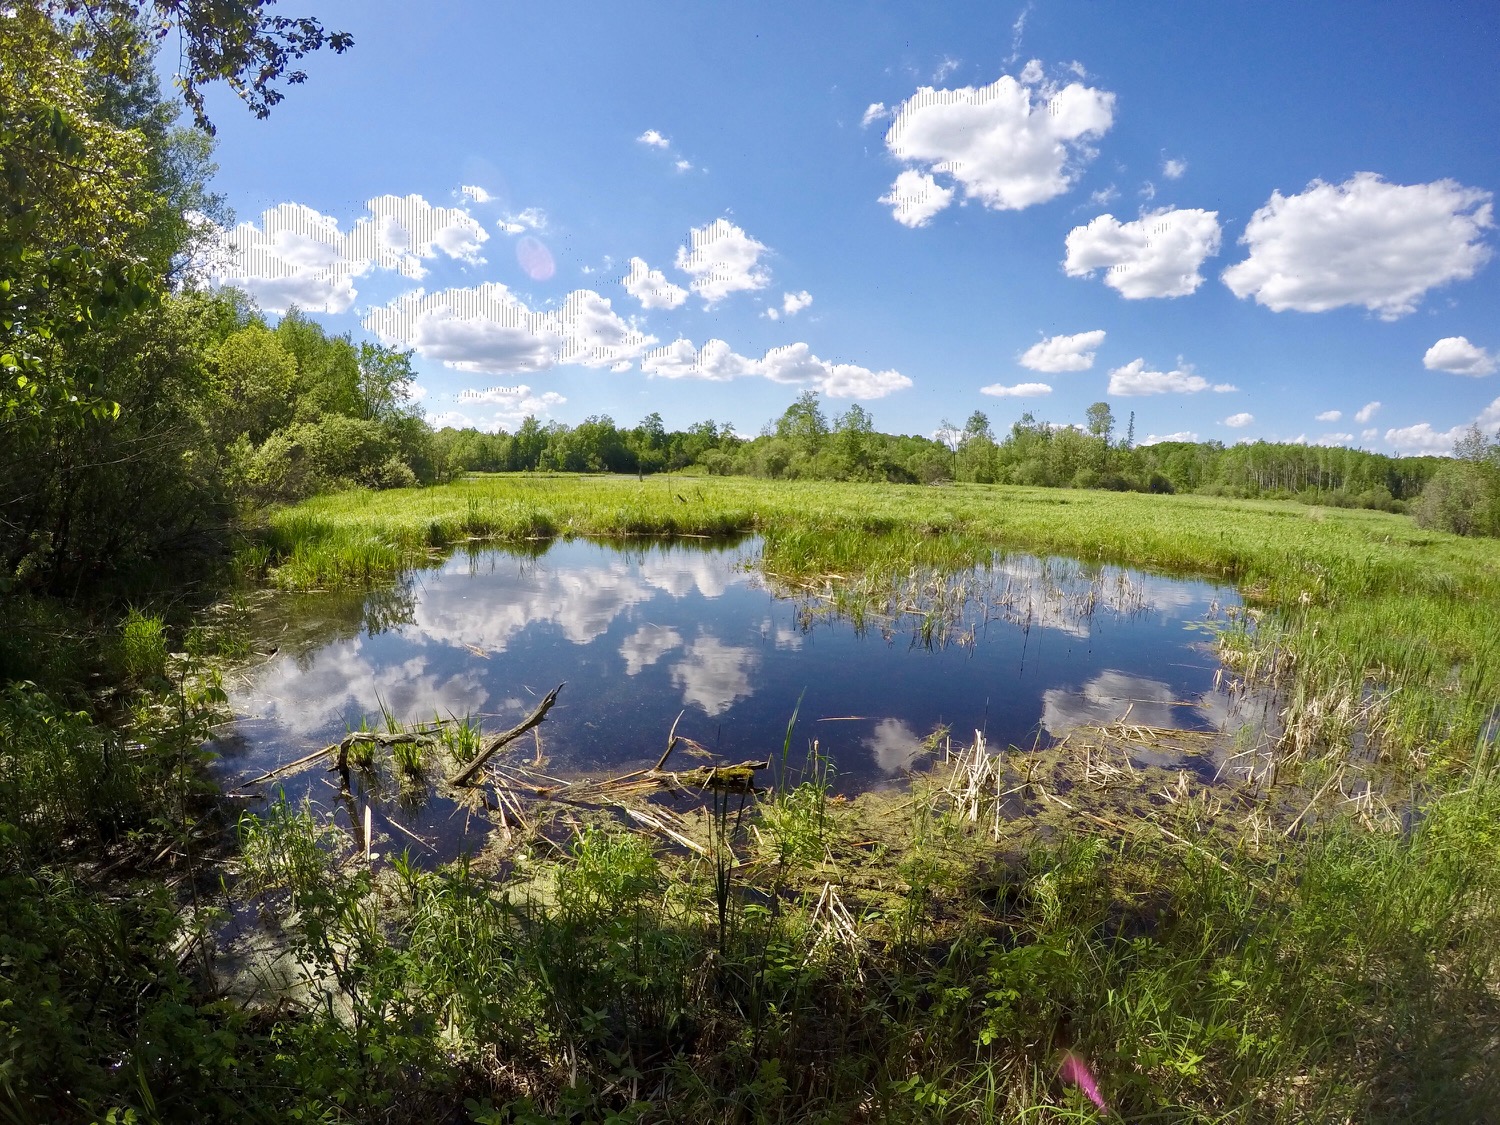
point(794, 978)
point(1363, 602)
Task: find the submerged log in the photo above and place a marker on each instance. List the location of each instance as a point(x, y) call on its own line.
point(488, 747)
point(738, 778)
point(424, 737)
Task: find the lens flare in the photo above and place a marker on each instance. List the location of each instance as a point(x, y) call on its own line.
point(1075, 1072)
point(535, 259)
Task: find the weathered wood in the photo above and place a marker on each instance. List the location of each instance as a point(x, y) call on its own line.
point(488, 747)
point(671, 741)
point(426, 736)
point(737, 778)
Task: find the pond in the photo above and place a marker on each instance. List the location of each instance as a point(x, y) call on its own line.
point(1024, 649)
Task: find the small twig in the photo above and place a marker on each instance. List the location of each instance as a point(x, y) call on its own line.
point(671, 740)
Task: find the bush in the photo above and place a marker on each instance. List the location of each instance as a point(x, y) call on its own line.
point(1462, 497)
point(333, 452)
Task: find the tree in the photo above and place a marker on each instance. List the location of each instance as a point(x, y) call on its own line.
point(949, 434)
point(253, 391)
point(238, 43)
point(1463, 496)
point(83, 176)
point(853, 430)
point(385, 378)
point(1101, 421)
point(978, 426)
point(804, 423)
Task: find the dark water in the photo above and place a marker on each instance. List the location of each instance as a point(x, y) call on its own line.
point(1026, 650)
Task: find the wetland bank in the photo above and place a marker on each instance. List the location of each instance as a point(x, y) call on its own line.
point(1293, 945)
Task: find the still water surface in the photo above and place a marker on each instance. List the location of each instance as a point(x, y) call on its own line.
point(1026, 649)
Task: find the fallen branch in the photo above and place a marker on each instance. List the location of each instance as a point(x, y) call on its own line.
point(736, 779)
point(425, 736)
point(488, 747)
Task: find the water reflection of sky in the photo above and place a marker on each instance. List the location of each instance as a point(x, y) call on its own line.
point(641, 634)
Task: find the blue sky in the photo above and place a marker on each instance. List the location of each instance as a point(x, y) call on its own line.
point(1238, 220)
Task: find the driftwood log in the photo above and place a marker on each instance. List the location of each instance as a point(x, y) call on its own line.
point(426, 736)
point(488, 747)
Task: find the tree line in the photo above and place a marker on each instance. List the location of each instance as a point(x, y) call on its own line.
point(804, 443)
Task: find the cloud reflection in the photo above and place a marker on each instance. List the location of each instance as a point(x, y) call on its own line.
point(894, 746)
point(582, 602)
point(1107, 697)
point(714, 676)
point(681, 574)
point(311, 695)
point(647, 645)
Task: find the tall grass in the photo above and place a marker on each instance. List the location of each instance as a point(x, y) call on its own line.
point(1352, 979)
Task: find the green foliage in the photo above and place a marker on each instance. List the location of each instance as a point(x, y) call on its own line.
point(800, 445)
point(143, 646)
point(1463, 496)
point(243, 45)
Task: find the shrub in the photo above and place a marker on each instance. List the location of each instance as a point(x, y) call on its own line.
point(1462, 497)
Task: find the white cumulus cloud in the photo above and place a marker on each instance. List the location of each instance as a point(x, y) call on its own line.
point(1489, 417)
point(1063, 353)
point(1020, 390)
point(1174, 169)
point(529, 218)
point(512, 404)
point(651, 288)
point(1366, 412)
point(716, 361)
point(1363, 242)
point(1422, 438)
point(1180, 435)
point(1007, 146)
point(1134, 379)
point(791, 305)
point(1457, 355)
point(875, 111)
point(476, 193)
point(296, 255)
point(1157, 255)
point(915, 198)
point(403, 230)
point(793, 363)
point(653, 139)
point(1238, 421)
point(489, 330)
point(1330, 416)
point(722, 259)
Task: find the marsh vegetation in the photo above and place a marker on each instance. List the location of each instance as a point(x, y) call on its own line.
point(1302, 933)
